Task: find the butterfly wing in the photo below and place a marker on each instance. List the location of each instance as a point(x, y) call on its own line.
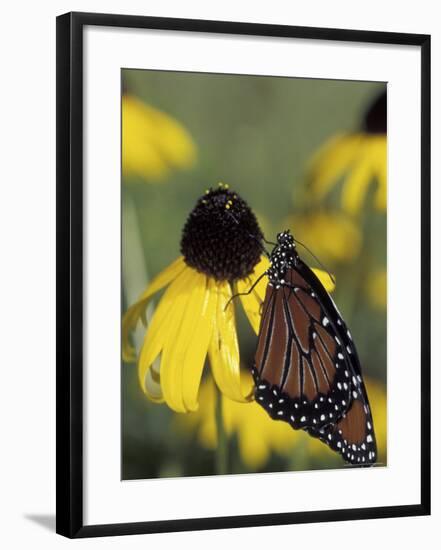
point(306, 367)
point(300, 370)
point(353, 435)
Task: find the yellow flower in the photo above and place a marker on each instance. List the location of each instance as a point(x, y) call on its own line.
point(358, 160)
point(333, 236)
point(222, 256)
point(153, 143)
point(257, 434)
point(377, 289)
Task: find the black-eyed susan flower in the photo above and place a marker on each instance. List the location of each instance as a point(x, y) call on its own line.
point(357, 160)
point(222, 255)
point(153, 143)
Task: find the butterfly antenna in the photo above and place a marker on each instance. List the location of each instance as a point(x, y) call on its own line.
point(268, 242)
point(253, 236)
point(317, 260)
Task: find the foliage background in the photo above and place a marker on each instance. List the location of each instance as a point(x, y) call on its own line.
point(257, 134)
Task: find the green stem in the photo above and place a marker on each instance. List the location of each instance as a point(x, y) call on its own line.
point(222, 438)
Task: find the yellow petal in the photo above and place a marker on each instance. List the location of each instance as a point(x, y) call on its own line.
point(357, 183)
point(137, 310)
point(380, 156)
point(191, 344)
point(332, 161)
point(140, 156)
point(152, 383)
point(156, 335)
point(152, 141)
point(325, 279)
point(252, 302)
point(224, 349)
point(187, 307)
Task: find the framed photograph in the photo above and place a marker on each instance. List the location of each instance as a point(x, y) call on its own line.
point(243, 289)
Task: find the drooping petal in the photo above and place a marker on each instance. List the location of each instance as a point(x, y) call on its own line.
point(252, 301)
point(169, 308)
point(193, 302)
point(224, 349)
point(191, 344)
point(356, 184)
point(137, 310)
point(332, 161)
point(152, 383)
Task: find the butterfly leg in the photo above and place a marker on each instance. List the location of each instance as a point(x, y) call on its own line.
point(247, 292)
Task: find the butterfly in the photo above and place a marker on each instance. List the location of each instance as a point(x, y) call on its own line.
point(306, 369)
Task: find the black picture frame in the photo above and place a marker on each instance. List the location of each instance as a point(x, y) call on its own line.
point(70, 235)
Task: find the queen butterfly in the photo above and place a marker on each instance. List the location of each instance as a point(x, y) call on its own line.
point(306, 368)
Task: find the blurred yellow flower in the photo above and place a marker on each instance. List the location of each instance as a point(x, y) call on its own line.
point(333, 236)
point(221, 245)
point(358, 159)
point(377, 289)
point(153, 143)
point(257, 434)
